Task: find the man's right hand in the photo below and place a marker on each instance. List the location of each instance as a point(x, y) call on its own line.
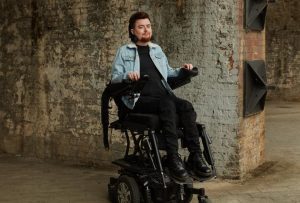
point(134, 76)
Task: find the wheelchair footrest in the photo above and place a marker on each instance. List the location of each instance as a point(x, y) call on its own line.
point(201, 179)
point(189, 180)
point(186, 182)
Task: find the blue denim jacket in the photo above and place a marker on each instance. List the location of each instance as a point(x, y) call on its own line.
point(127, 60)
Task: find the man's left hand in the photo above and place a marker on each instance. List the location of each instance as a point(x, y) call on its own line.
point(188, 66)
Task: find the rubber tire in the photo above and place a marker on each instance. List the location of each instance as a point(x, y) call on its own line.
point(128, 183)
point(204, 200)
point(112, 195)
point(188, 196)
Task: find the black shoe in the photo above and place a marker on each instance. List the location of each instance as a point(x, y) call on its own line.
point(176, 168)
point(197, 164)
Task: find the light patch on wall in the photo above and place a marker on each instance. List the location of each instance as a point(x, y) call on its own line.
point(20, 90)
point(180, 3)
point(79, 13)
point(13, 31)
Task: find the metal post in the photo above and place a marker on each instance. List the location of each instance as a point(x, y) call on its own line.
point(157, 155)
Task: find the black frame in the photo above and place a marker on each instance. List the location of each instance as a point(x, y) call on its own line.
point(255, 87)
point(255, 14)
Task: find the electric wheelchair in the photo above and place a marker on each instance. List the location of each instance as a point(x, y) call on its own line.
point(143, 175)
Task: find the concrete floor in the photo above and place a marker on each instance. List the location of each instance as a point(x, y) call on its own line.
point(278, 179)
point(24, 180)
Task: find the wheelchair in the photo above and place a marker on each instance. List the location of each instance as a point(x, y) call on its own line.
point(143, 176)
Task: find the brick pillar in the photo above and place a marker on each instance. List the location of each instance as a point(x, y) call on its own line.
point(251, 135)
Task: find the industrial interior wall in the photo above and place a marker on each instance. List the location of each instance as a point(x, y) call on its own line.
point(56, 59)
point(283, 50)
point(15, 61)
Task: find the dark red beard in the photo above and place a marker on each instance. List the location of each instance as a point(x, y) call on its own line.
point(145, 39)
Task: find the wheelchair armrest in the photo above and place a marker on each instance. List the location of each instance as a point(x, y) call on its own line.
point(183, 78)
point(127, 87)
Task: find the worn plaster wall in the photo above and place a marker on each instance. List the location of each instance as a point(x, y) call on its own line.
point(15, 59)
point(50, 101)
point(283, 50)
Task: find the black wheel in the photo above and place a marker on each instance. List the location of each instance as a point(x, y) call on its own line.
point(204, 199)
point(127, 190)
point(112, 190)
point(188, 195)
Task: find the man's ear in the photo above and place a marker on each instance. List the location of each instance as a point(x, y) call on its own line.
point(132, 31)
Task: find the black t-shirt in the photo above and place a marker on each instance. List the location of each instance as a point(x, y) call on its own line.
point(154, 87)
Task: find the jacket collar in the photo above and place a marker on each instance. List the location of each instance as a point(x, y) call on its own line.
point(150, 44)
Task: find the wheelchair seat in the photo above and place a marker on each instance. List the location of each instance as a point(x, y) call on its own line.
point(139, 121)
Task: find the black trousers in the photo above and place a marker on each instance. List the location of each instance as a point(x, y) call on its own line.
point(170, 108)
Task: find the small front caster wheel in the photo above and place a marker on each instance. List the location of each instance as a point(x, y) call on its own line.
point(203, 199)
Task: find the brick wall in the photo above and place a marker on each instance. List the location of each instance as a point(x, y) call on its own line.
point(55, 101)
point(283, 50)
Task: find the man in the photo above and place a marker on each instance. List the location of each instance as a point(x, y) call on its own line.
point(142, 57)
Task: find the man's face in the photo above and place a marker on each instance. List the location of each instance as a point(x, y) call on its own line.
point(142, 30)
